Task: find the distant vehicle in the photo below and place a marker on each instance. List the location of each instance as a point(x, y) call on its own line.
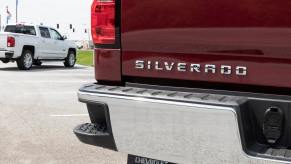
point(32, 44)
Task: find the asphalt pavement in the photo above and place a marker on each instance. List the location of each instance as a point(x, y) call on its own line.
point(38, 110)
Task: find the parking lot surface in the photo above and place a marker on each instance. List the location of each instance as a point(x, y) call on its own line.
point(39, 109)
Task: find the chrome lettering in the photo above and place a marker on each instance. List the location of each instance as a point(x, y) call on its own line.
point(139, 64)
point(182, 67)
point(226, 70)
point(157, 66)
point(241, 70)
point(169, 67)
point(189, 67)
point(210, 68)
point(195, 67)
point(149, 65)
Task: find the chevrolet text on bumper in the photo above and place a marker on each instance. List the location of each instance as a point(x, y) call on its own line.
point(186, 127)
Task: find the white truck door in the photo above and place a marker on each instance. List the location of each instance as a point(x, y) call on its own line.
point(46, 48)
point(59, 44)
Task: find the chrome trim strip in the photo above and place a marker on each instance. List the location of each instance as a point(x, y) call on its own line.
point(83, 96)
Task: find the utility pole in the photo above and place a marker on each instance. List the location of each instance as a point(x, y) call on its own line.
point(89, 39)
point(16, 11)
point(8, 17)
point(88, 33)
point(0, 23)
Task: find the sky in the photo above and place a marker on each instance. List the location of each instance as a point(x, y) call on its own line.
point(50, 13)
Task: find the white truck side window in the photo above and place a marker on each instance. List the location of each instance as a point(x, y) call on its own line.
point(44, 32)
point(56, 35)
point(21, 29)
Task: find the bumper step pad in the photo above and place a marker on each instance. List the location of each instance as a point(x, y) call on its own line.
point(279, 154)
point(95, 134)
point(92, 129)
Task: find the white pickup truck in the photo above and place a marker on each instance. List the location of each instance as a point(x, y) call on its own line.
point(31, 44)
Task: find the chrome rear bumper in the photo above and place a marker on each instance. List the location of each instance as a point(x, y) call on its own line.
point(179, 127)
point(5, 54)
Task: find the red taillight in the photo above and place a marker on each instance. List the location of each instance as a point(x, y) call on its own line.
point(103, 21)
point(10, 41)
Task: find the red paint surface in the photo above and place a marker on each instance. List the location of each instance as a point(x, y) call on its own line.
point(250, 33)
point(108, 65)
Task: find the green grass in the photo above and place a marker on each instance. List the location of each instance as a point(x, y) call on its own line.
point(85, 58)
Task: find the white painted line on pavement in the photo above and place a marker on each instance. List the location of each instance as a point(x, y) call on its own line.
point(70, 81)
point(70, 115)
point(54, 74)
point(48, 93)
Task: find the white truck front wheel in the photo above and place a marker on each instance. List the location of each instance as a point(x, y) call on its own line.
point(70, 59)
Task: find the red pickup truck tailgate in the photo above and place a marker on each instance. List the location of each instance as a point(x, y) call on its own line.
point(239, 42)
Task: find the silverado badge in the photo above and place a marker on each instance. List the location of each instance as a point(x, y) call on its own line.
point(191, 67)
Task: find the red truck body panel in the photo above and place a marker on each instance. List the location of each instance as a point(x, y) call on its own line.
point(107, 65)
point(254, 34)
